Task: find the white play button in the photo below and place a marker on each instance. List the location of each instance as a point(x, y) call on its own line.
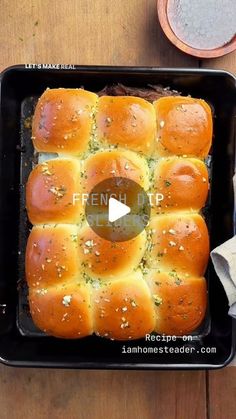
point(116, 210)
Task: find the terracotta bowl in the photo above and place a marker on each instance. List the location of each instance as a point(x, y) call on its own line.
point(212, 53)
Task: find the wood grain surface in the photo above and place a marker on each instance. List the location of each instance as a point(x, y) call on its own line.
point(114, 32)
point(222, 394)
point(102, 394)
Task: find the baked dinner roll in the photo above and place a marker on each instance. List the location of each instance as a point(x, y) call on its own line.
point(50, 190)
point(180, 302)
point(184, 126)
point(126, 121)
point(63, 121)
point(117, 166)
point(183, 182)
point(179, 241)
point(62, 310)
point(52, 255)
point(114, 163)
point(123, 309)
point(101, 258)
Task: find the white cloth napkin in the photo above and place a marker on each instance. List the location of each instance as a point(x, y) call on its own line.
point(224, 261)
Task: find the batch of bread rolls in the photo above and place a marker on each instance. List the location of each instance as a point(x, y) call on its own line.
point(80, 283)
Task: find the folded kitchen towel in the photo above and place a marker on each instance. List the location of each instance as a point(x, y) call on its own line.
point(224, 261)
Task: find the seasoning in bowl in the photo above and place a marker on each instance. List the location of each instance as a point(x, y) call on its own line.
point(203, 24)
point(204, 29)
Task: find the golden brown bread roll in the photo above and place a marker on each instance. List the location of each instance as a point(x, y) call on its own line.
point(180, 302)
point(50, 189)
point(183, 182)
point(184, 126)
point(63, 310)
point(52, 255)
point(179, 241)
point(101, 258)
point(63, 121)
point(126, 121)
point(114, 163)
point(123, 309)
point(80, 283)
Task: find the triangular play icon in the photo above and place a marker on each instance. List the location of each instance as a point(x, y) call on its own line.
point(116, 210)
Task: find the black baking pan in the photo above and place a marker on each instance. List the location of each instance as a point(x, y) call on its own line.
point(20, 343)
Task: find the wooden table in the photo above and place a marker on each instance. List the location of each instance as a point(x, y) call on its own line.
point(115, 32)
